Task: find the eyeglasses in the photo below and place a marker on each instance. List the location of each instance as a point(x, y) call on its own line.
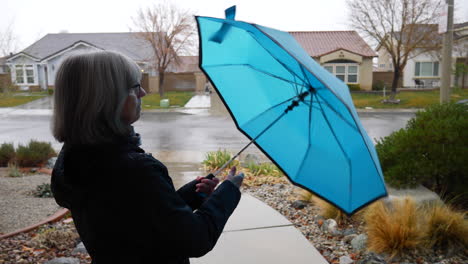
point(136, 86)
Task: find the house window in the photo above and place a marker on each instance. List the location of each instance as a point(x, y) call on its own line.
point(24, 74)
point(382, 65)
point(347, 72)
point(426, 69)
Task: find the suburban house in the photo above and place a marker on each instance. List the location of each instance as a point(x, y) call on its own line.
point(343, 53)
point(35, 67)
point(423, 67)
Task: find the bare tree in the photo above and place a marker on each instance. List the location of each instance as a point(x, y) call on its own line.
point(8, 41)
point(404, 28)
point(170, 32)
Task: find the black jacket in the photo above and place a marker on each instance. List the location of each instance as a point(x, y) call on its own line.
point(126, 209)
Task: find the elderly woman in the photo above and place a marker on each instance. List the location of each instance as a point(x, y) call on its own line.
point(122, 200)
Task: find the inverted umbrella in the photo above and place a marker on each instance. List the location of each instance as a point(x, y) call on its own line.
point(296, 112)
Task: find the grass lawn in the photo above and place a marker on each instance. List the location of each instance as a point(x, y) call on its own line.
point(176, 99)
point(409, 99)
point(17, 98)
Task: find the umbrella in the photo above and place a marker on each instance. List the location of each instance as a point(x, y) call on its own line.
point(296, 112)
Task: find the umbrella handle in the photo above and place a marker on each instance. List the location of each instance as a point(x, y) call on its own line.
point(209, 177)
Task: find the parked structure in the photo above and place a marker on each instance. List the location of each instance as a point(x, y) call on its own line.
point(35, 67)
point(343, 53)
point(423, 68)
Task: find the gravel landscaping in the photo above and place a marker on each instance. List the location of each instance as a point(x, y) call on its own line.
point(19, 208)
point(341, 244)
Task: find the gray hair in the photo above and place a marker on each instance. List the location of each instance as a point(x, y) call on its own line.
point(90, 91)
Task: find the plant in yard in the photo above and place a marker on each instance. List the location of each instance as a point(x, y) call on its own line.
point(60, 238)
point(445, 228)
point(264, 169)
point(13, 170)
point(34, 154)
point(431, 150)
point(43, 191)
point(354, 87)
point(7, 153)
point(393, 228)
point(329, 211)
point(215, 159)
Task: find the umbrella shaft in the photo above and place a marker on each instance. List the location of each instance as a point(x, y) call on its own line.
point(246, 146)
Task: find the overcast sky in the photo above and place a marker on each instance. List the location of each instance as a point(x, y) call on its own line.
point(32, 19)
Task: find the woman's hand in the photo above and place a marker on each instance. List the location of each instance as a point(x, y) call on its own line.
point(206, 186)
point(235, 179)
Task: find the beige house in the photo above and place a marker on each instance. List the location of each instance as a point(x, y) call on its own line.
point(343, 53)
point(423, 69)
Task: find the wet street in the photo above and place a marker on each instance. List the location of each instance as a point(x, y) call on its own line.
point(178, 139)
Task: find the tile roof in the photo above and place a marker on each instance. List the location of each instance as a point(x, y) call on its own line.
point(126, 43)
point(318, 43)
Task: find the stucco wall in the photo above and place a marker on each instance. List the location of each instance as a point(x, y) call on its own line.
point(408, 72)
point(364, 63)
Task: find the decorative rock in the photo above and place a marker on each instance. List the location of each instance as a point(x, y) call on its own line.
point(346, 260)
point(63, 261)
point(372, 258)
point(80, 248)
point(330, 226)
point(349, 238)
point(33, 170)
point(299, 204)
point(51, 162)
point(249, 159)
point(359, 242)
point(349, 231)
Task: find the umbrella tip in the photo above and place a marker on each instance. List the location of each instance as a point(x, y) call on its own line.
point(230, 12)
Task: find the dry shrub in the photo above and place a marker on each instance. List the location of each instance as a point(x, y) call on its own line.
point(251, 180)
point(302, 195)
point(393, 228)
point(54, 238)
point(329, 211)
point(445, 228)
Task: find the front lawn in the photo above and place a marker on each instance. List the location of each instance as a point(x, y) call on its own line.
point(409, 99)
point(15, 99)
point(176, 99)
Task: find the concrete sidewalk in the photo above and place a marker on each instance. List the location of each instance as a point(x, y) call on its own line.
point(258, 234)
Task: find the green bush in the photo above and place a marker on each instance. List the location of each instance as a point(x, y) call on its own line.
point(50, 91)
point(268, 169)
point(354, 87)
point(43, 191)
point(216, 159)
point(432, 150)
point(378, 85)
point(7, 153)
point(34, 154)
point(13, 170)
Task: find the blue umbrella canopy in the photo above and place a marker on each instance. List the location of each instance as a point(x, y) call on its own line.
point(300, 115)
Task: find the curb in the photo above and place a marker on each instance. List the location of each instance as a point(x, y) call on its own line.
point(53, 218)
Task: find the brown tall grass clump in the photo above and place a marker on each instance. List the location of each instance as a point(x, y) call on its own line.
point(329, 211)
point(393, 228)
point(445, 228)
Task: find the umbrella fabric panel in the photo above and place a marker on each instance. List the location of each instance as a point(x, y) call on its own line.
point(243, 48)
point(293, 47)
point(364, 172)
point(325, 168)
point(238, 85)
point(237, 80)
point(289, 135)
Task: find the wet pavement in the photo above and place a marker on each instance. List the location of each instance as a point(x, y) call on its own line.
point(178, 137)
